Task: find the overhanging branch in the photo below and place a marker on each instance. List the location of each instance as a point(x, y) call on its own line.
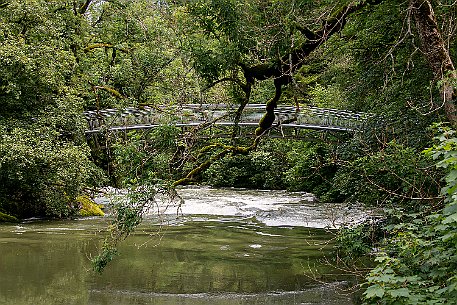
point(282, 73)
point(283, 70)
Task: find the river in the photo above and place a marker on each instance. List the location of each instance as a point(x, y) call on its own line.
point(223, 247)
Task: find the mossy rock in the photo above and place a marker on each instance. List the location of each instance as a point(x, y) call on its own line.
point(87, 207)
point(7, 218)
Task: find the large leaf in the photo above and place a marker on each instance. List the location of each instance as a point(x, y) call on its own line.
point(374, 291)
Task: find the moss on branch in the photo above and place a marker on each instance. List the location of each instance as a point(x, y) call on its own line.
point(113, 91)
point(269, 117)
point(88, 207)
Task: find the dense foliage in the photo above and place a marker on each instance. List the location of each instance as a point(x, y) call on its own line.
point(417, 264)
point(391, 58)
point(44, 160)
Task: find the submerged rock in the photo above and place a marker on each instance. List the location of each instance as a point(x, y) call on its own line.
point(88, 207)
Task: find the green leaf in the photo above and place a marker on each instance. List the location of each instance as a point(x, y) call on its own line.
point(452, 176)
point(450, 219)
point(448, 236)
point(381, 258)
point(450, 209)
point(374, 291)
point(400, 292)
point(441, 227)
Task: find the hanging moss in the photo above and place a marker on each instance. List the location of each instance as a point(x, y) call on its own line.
point(7, 218)
point(88, 207)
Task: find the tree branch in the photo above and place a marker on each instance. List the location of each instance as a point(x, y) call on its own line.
point(97, 45)
point(294, 59)
point(283, 70)
point(83, 8)
point(113, 91)
point(310, 35)
point(225, 79)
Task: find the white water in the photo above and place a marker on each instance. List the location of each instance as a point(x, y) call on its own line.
point(270, 207)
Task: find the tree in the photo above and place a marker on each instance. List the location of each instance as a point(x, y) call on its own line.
point(231, 24)
point(132, 57)
point(437, 54)
point(44, 161)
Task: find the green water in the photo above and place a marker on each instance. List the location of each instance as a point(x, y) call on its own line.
point(207, 260)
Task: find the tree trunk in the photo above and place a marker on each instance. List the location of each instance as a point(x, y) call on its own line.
point(283, 71)
point(436, 53)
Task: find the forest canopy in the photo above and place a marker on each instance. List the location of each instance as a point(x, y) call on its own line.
point(393, 59)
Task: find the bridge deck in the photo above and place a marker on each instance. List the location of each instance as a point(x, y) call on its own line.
point(191, 115)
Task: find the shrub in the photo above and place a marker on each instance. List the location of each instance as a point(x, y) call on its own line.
point(311, 168)
point(397, 174)
point(417, 264)
point(40, 175)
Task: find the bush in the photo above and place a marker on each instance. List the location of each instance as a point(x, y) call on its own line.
point(233, 171)
point(41, 176)
point(261, 169)
point(356, 242)
point(312, 169)
point(145, 157)
point(7, 218)
point(417, 264)
point(397, 174)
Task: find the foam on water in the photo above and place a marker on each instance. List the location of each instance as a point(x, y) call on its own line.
point(270, 207)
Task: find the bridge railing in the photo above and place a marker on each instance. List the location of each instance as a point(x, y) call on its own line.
point(307, 117)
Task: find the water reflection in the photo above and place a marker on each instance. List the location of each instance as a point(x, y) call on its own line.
point(197, 259)
point(312, 296)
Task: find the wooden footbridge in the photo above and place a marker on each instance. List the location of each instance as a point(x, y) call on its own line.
point(219, 117)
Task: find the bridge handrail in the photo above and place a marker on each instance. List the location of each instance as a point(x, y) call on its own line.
point(189, 114)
